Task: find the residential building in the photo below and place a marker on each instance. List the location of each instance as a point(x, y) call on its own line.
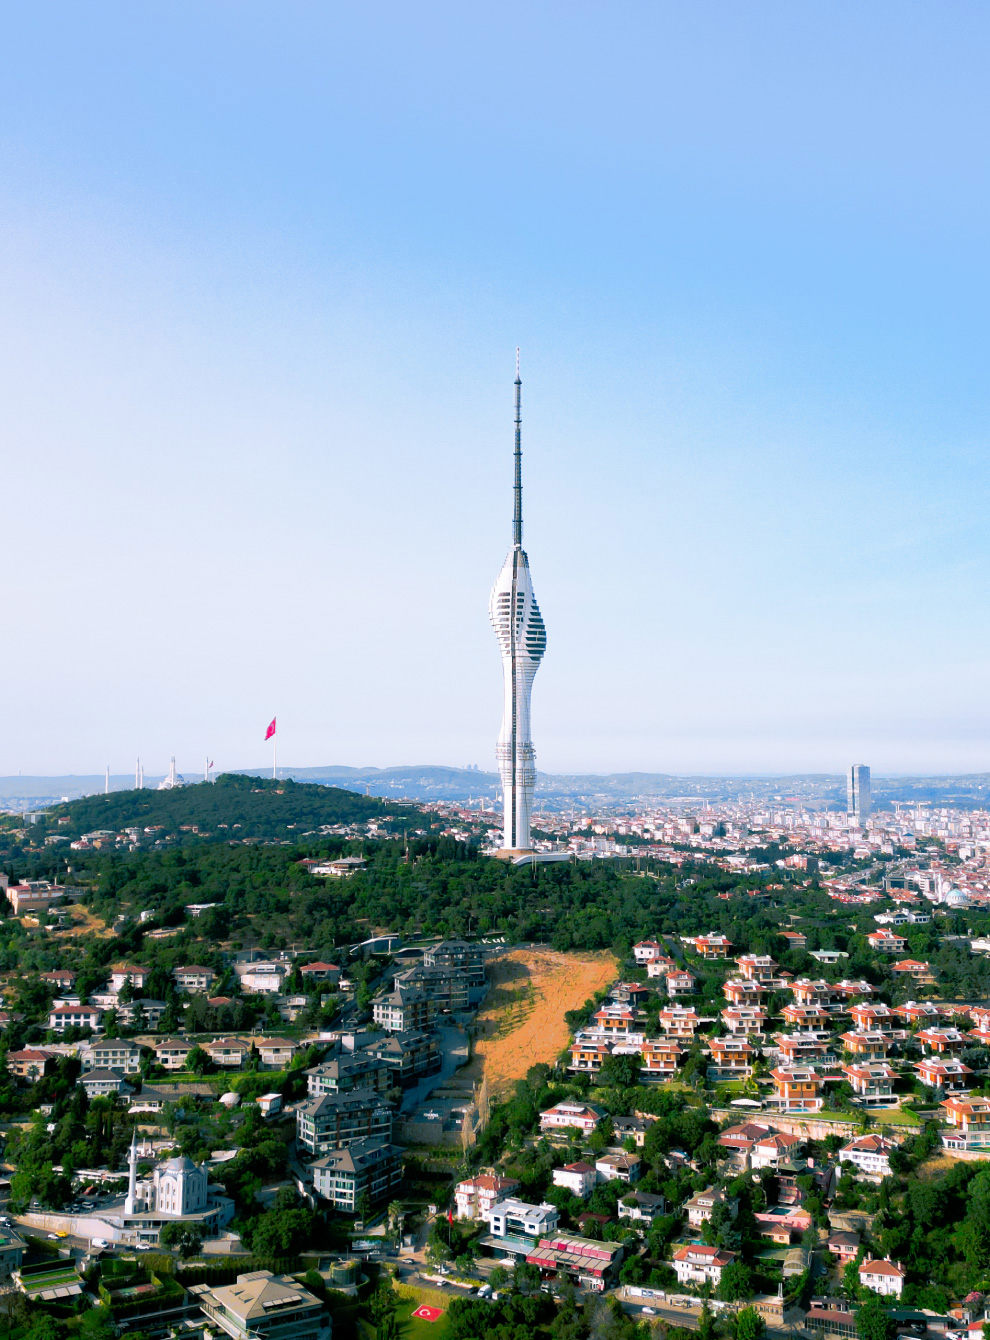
point(968, 1123)
point(794, 939)
point(579, 1178)
point(883, 1277)
point(757, 967)
point(518, 1219)
point(679, 1021)
point(448, 989)
point(475, 1196)
point(772, 1149)
point(660, 967)
point(74, 1016)
point(62, 979)
point(143, 1013)
point(699, 1208)
point(698, 1264)
point(942, 1041)
point(335, 1119)
point(587, 1057)
point(635, 1128)
point(731, 1058)
point(644, 1209)
point(709, 946)
point(944, 1073)
point(100, 1083)
point(229, 1053)
point(886, 942)
point(873, 1017)
point(368, 1169)
point(661, 1058)
point(743, 991)
point(113, 1054)
point(798, 1089)
point(867, 1046)
point(408, 1056)
point(844, 1245)
point(465, 957)
point(173, 1053)
point(339, 1074)
point(193, 978)
point(872, 1082)
point(403, 1009)
point(869, 1155)
point(30, 1062)
point(261, 978)
point(619, 1167)
point(321, 972)
point(583, 1117)
point(649, 951)
point(275, 1053)
point(744, 1020)
point(128, 972)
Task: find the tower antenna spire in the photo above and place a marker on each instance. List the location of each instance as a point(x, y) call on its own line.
point(517, 485)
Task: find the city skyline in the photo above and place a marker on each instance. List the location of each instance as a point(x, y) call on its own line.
point(258, 298)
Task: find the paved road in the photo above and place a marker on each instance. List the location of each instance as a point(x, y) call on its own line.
point(454, 1048)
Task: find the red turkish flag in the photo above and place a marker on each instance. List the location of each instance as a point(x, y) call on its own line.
point(271, 729)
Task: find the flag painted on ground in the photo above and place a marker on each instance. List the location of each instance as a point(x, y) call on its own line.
point(427, 1313)
point(271, 729)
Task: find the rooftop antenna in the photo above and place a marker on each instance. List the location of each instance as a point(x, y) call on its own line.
point(517, 486)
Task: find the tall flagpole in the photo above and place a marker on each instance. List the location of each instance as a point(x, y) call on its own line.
point(275, 754)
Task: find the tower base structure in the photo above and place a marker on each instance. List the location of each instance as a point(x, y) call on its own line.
point(527, 856)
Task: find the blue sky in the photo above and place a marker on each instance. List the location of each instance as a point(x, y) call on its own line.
point(264, 270)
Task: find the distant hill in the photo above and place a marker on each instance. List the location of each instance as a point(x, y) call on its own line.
point(426, 782)
point(232, 806)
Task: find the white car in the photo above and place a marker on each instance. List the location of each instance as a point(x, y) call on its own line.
point(100, 1242)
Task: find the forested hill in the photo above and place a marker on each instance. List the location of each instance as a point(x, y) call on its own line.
point(231, 807)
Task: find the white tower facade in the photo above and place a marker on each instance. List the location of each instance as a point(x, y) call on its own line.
point(522, 640)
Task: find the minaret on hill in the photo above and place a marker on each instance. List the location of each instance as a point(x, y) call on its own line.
point(522, 639)
point(131, 1200)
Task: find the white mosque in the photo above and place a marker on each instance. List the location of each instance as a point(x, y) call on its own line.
point(177, 1191)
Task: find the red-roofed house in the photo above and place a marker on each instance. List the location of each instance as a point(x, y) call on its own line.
point(697, 1264)
point(475, 1196)
point(872, 1082)
point(969, 1123)
point(883, 1277)
point(947, 1074)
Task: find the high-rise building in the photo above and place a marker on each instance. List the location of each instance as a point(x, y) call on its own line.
point(858, 799)
point(522, 639)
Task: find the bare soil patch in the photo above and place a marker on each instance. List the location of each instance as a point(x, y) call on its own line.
point(522, 1020)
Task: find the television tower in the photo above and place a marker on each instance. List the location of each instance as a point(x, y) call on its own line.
point(522, 640)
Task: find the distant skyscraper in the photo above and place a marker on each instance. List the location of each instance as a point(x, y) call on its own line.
point(522, 639)
point(858, 799)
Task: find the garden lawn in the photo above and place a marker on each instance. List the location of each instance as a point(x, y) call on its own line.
point(414, 1328)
